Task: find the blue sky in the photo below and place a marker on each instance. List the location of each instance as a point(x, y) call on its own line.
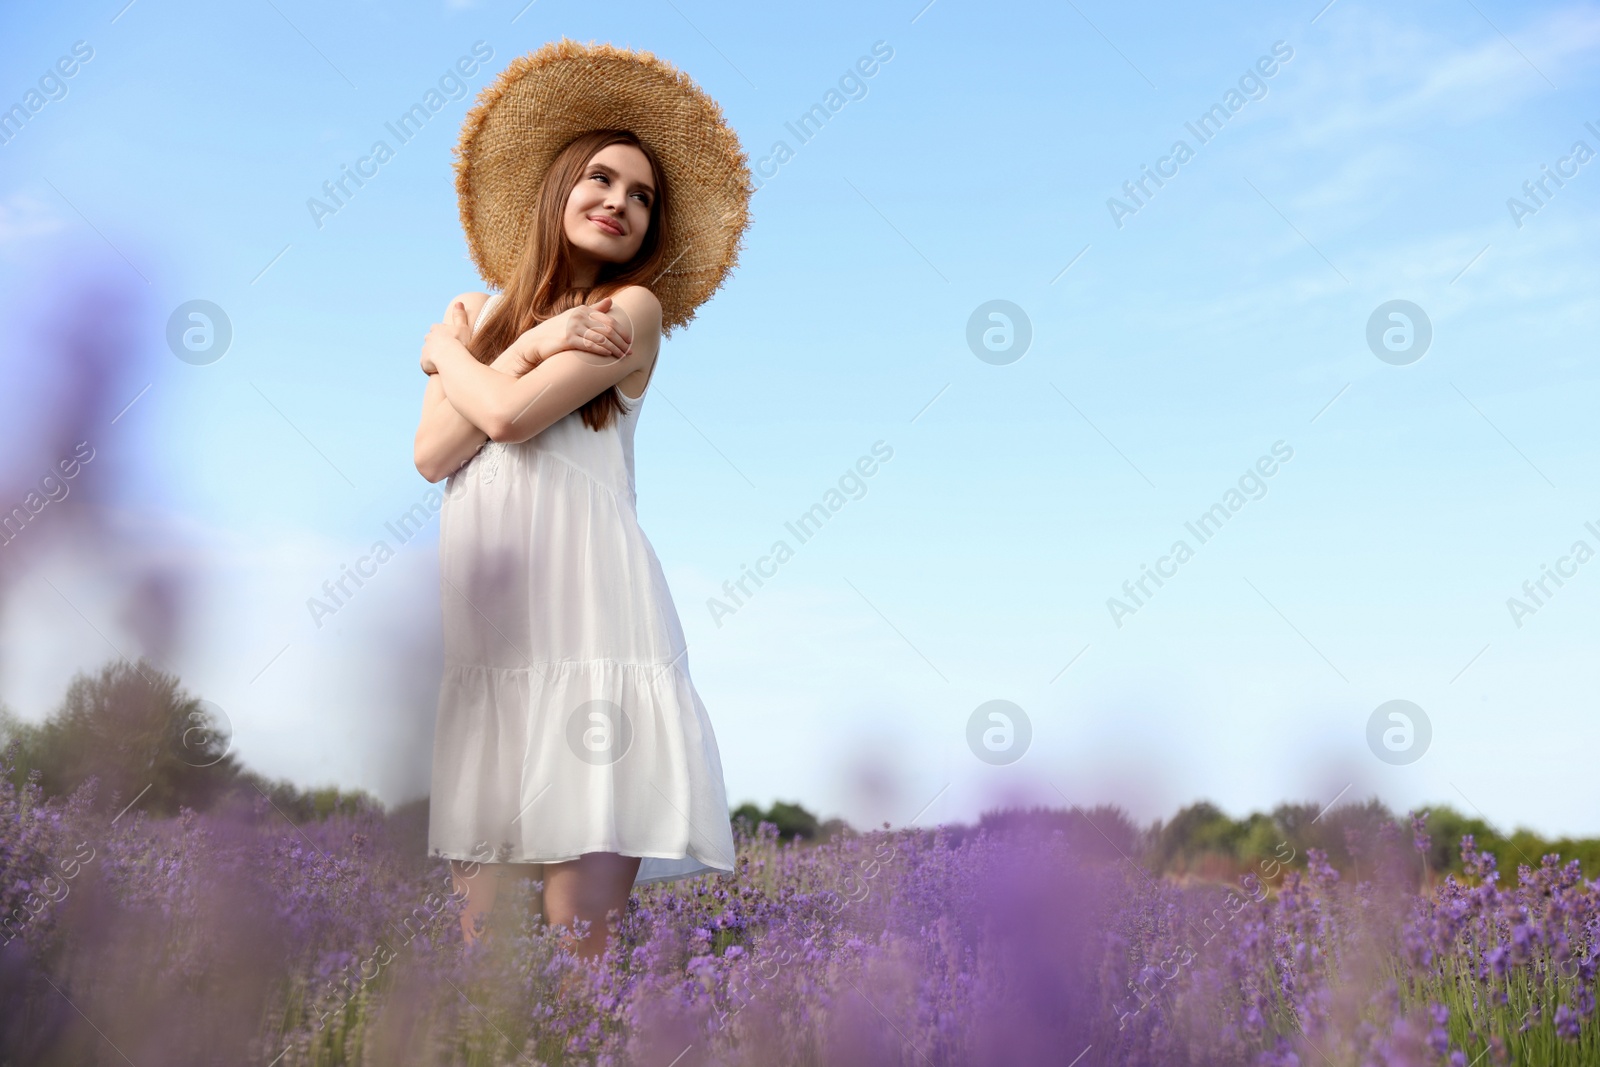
point(1175, 340)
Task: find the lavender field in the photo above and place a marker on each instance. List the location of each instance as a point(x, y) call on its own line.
point(239, 937)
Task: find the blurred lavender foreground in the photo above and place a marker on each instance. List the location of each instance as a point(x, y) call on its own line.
point(241, 936)
point(76, 364)
point(160, 904)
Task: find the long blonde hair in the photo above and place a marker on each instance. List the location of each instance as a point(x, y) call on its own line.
point(542, 288)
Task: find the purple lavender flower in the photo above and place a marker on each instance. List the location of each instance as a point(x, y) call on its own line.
point(1419, 835)
point(993, 945)
point(1439, 1037)
point(1567, 1023)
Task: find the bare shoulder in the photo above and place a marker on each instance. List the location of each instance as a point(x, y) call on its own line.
point(474, 304)
point(640, 295)
point(643, 310)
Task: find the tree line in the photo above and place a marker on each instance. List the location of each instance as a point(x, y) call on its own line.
point(136, 730)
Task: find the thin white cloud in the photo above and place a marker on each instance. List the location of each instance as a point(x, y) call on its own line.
point(1358, 188)
point(23, 217)
point(1377, 74)
point(1544, 275)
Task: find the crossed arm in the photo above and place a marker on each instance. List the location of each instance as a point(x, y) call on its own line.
point(467, 402)
point(445, 438)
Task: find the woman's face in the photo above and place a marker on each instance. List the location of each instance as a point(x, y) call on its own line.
point(608, 211)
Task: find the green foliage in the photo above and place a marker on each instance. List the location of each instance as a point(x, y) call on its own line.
point(1203, 839)
point(1307, 826)
point(134, 728)
point(1104, 832)
point(1200, 829)
point(793, 821)
point(28, 737)
point(1445, 827)
point(1526, 848)
point(308, 805)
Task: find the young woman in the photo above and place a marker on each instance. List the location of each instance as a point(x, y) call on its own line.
point(571, 746)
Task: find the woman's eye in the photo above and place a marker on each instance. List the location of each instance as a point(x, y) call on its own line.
point(644, 198)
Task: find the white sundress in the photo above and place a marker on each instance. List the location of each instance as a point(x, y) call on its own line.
point(567, 720)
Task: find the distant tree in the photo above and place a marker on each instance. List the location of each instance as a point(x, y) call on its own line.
point(793, 821)
point(29, 738)
point(1445, 827)
point(136, 729)
point(1335, 831)
point(133, 726)
point(1298, 822)
point(305, 805)
point(1104, 832)
point(1199, 830)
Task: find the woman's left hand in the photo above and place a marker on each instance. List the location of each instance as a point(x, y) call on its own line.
point(456, 329)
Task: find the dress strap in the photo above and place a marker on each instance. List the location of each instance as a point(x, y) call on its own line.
point(484, 310)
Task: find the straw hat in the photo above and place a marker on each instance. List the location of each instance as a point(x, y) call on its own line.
point(542, 100)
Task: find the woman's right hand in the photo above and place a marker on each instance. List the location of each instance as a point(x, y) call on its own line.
point(592, 328)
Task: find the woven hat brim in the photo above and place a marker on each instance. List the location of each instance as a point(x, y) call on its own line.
point(542, 100)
